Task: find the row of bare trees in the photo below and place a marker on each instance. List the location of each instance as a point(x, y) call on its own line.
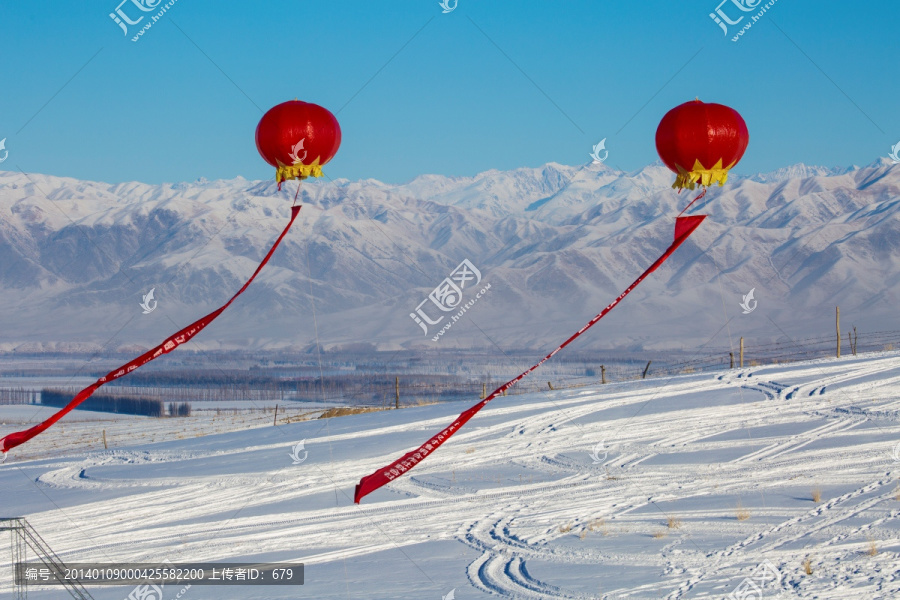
point(18, 396)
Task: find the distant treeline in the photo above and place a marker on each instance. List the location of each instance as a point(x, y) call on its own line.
point(17, 396)
point(182, 409)
point(106, 403)
point(355, 375)
point(214, 385)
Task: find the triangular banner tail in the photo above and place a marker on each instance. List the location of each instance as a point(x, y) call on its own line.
point(685, 226)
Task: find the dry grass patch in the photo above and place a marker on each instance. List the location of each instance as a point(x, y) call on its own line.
point(598, 525)
point(660, 534)
point(297, 418)
point(565, 528)
point(342, 411)
point(807, 566)
point(817, 495)
point(470, 450)
point(673, 523)
point(871, 547)
point(741, 513)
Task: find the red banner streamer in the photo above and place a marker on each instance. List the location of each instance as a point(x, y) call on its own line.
point(684, 227)
point(20, 437)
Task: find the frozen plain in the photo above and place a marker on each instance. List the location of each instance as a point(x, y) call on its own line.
point(563, 494)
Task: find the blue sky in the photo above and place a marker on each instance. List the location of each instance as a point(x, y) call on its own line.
point(490, 85)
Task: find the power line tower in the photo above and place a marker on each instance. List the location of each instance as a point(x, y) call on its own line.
point(22, 537)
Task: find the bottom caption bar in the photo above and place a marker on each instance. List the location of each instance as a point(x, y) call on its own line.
point(38, 573)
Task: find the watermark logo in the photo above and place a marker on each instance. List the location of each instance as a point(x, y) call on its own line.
point(151, 591)
point(146, 591)
point(123, 19)
point(749, 304)
point(723, 20)
point(450, 596)
point(445, 4)
point(895, 153)
point(595, 454)
point(148, 298)
point(601, 147)
point(295, 151)
point(896, 452)
point(6, 152)
point(448, 296)
point(296, 450)
point(722, 17)
point(751, 588)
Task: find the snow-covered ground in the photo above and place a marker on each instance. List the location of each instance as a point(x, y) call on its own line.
point(563, 494)
point(83, 430)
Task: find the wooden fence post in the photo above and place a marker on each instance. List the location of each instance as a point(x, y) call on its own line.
point(731, 360)
point(397, 390)
point(602, 374)
point(275, 419)
point(837, 324)
point(550, 385)
point(105, 447)
point(742, 352)
point(647, 368)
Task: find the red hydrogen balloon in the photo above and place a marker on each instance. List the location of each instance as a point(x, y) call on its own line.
point(297, 138)
point(701, 142)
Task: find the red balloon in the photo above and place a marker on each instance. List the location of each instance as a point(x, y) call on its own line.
point(701, 142)
point(297, 138)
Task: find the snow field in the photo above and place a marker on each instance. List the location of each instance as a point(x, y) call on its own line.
point(701, 478)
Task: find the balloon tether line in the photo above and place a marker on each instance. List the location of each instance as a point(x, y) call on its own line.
point(299, 183)
point(703, 193)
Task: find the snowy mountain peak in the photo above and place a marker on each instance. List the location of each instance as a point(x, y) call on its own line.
point(799, 171)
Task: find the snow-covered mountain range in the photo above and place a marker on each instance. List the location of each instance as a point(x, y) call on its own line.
point(556, 244)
